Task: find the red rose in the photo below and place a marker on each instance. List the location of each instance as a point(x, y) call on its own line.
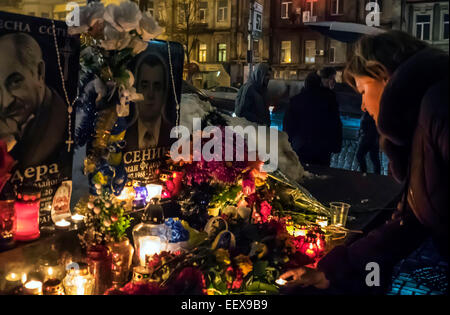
point(6, 164)
point(189, 281)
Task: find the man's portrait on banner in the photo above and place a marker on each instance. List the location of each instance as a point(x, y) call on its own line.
point(154, 122)
point(33, 116)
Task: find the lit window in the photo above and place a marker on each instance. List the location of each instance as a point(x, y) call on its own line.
point(310, 51)
point(423, 26)
point(222, 11)
point(202, 53)
point(286, 8)
point(286, 52)
point(337, 7)
point(222, 52)
point(445, 26)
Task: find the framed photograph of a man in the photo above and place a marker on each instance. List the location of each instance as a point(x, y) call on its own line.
point(159, 81)
point(34, 120)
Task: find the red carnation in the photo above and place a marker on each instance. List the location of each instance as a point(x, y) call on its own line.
point(266, 210)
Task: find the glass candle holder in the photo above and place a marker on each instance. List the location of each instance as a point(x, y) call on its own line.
point(7, 223)
point(27, 215)
point(79, 281)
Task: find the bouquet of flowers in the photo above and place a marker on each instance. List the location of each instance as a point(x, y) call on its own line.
point(242, 231)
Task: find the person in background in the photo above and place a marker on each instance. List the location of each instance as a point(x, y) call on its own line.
point(328, 76)
point(251, 99)
point(313, 124)
point(368, 143)
point(404, 84)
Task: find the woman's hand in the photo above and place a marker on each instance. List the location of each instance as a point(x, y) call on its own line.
point(305, 277)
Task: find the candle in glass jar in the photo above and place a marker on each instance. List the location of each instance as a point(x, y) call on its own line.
point(27, 215)
point(33, 287)
point(148, 246)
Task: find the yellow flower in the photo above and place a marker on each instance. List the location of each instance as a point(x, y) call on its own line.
point(244, 263)
point(259, 182)
point(222, 256)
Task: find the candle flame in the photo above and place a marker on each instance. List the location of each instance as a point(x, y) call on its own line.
point(24, 278)
point(50, 271)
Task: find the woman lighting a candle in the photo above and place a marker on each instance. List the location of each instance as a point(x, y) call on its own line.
point(404, 87)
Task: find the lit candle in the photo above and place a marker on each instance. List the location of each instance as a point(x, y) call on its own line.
point(80, 283)
point(281, 282)
point(148, 246)
point(33, 287)
point(153, 191)
point(62, 224)
point(77, 218)
point(322, 221)
point(27, 216)
point(13, 280)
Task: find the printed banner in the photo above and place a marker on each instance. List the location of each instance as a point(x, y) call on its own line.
point(34, 117)
point(148, 137)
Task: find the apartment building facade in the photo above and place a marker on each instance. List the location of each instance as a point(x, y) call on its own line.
point(428, 21)
point(297, 49)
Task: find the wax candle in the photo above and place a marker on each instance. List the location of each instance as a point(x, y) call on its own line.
point(27, 216)
point(77, 218)
point(33, 287)
point(62, 224)
point(148, 246)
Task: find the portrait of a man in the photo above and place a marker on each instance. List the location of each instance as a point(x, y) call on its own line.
point(33, 117)
point(153, 124)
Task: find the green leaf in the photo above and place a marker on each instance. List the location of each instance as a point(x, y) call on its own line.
point(259, 268)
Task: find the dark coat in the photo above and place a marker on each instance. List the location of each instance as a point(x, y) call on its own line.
point(251, 101)
point(368, 129)
point(413, 125)
point(313, 124)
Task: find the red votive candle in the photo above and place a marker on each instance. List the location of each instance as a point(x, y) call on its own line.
point(27, 215)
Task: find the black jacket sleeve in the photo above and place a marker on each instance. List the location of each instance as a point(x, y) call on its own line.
point(345, 267)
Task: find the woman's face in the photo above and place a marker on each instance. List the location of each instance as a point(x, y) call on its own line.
point(371, 90)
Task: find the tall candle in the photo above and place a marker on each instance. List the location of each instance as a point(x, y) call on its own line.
point(148, 246)
point(27, 216)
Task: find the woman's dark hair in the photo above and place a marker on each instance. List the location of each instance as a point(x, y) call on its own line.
point(378, 56)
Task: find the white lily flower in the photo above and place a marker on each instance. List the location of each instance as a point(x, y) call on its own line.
point(149, 28)
point(124, 17)
point(138, 45)
point(114, 39)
